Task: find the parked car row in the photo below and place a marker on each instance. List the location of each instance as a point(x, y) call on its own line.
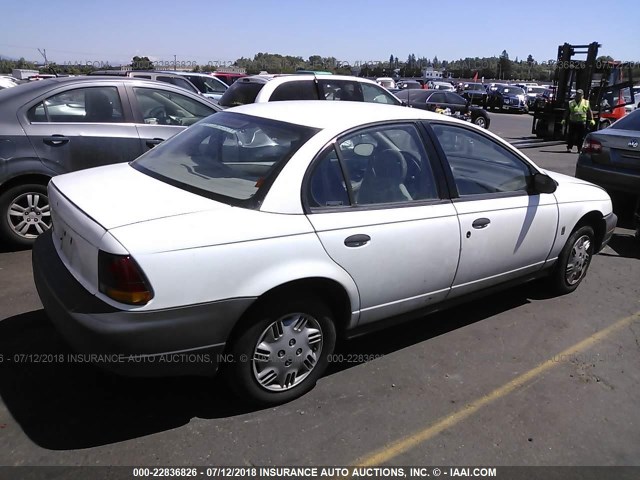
point(443, 101)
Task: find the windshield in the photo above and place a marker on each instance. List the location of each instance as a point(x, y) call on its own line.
point(229, 156)
point(536, 90)
point(475, 86)
point(512, 90)
point(630, 122)
point(240, 93)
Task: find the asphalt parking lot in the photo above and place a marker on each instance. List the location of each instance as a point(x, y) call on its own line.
point(517, 378)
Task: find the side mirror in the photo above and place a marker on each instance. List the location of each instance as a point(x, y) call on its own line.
point(543, 183)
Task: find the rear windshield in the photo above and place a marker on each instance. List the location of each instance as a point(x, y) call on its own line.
point(630, 122)
point(229, 157)
point(240, 93)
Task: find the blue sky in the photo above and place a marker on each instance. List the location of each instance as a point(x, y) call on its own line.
point(212, 31)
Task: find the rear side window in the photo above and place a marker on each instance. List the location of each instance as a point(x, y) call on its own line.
point(94, 104)
point(299, 90)
point(240, 93)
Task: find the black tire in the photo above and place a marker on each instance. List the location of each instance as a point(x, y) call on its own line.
point(604, 124)
point(481, 121)
point(35, 202)
point(257, 329)
point(576, 253)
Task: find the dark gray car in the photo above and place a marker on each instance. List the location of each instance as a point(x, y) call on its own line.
point(61, 125)
point(611, 157)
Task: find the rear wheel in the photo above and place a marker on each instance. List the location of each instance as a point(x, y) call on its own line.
point(480, 121)
point(282, 350)
point(24, 214)
point(573, 262)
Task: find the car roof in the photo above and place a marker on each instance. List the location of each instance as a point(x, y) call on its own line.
point(27, 91)
point(300, 77)
point(315, 114)
point(184, 74)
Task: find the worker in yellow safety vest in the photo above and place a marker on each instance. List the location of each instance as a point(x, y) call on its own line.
point(578, 113)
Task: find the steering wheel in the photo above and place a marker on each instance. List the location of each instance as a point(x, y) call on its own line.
point(157, 112)
point(390, 156)
point(163, 117)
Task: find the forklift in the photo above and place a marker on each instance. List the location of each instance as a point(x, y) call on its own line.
point(607, 85)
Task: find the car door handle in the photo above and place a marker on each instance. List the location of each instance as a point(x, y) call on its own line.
point(357, 240)
point(480, 223)
point(55, 140)
point(152, 142)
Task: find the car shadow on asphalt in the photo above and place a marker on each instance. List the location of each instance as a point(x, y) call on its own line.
point(63, 406)
point(5, 248)
point(625, 245)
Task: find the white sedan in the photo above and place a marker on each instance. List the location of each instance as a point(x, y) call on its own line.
point(248, 242)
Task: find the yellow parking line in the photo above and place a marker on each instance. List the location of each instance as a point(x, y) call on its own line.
point(403, 445)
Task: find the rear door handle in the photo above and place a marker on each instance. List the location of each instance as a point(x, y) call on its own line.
point(357, 240)
point(55, 140)
point(152, 142)
point(480, 223)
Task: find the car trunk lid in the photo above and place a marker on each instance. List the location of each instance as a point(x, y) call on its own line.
point(118, 195)
point(619, 148)
point(85, 205)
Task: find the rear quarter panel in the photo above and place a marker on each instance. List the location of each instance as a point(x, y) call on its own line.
point(200, 258)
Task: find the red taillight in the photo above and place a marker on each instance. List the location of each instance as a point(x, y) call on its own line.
point(591, 146)
point(120, 278)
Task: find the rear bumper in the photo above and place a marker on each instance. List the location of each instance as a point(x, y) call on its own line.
point(607, 176)
point(188, 340)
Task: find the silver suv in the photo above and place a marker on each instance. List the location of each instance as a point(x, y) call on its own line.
point(165, 77)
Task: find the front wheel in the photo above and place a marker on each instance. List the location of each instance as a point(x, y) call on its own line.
point(281, 350)
point(573, 262)
point(24, 214)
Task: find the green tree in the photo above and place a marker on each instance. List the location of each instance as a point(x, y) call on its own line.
point(504, 65)
point(141, 63)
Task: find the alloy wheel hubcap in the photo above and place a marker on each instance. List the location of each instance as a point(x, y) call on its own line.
point(287, 352)
point(29, 215)
point(578, 260)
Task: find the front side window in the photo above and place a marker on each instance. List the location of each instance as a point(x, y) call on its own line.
point(229, 157)
point(479, 164)
point(382, 165)
point(162, 107)
point(375, 94)
point(93, 104)
point(297, 90)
